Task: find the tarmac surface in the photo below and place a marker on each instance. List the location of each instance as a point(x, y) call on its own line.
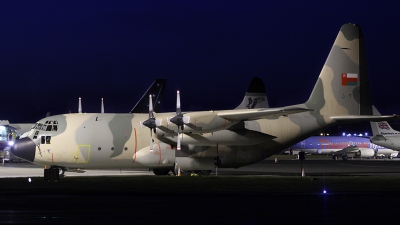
point(284, 166)
point(44, 204)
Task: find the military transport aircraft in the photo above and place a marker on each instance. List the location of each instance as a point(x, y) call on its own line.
point(193, 140)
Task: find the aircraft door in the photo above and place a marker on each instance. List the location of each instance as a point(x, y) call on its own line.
point(82, 154)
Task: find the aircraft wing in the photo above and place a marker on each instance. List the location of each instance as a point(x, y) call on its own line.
point(348, 149)
point(378, 138)
point(355, 118)
point(254, 114)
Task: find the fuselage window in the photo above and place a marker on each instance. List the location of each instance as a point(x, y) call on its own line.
point(45, 139)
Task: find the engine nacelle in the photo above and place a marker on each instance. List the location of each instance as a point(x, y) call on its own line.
point(161, 156)
point(365, 153)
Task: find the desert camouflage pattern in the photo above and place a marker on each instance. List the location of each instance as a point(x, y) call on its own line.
point(239, 137)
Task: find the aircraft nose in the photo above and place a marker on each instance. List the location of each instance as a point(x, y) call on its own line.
point(24, 148)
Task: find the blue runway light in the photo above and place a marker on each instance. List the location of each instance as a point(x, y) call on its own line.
point(324, 192)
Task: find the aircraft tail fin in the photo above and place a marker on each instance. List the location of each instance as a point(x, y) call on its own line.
point(256, 96)
point(382, 128)
point(157, 91)
point(343, 85)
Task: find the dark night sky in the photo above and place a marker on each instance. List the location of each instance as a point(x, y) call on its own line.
point(53, 52)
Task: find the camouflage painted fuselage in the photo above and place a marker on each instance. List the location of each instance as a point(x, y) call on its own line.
point(119, 141)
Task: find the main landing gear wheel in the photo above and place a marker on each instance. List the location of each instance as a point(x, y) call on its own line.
point(61, 171)
point(161, 172)
point(345, 157)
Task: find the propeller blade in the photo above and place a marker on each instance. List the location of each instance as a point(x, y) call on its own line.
point(178, 103)
point(151, 140)
point(150, 122)
point(178, 119)
point(178, 143)
point(151, 115)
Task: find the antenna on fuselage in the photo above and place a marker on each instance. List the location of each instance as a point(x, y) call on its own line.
point(80, 106)
point(102, 105)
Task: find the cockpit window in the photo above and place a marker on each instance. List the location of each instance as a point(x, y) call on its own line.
point(47, 126)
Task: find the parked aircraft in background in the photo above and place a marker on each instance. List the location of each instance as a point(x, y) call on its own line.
point(9, 132)
point(384, 135)
point(345, 147)
point(197, 141)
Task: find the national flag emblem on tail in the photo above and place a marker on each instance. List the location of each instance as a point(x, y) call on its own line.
point(383, 125)
point(349, 79)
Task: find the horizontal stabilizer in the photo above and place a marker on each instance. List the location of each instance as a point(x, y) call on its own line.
point(378, 138)
point(254, 114)
point(359, 118)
